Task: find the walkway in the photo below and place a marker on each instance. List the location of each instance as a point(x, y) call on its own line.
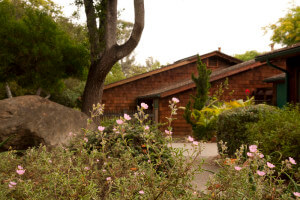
point(209, 153)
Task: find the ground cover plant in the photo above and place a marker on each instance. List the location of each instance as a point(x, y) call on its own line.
point(124, 161)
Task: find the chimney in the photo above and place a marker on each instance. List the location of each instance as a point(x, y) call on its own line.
point(272, 46)
point(219, 49)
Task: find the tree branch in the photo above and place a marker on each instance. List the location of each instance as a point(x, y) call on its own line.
point(92, 27)
point(111, 24)
point(128, 47)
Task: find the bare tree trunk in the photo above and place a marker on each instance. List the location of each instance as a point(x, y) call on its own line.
point(94, 85)
point(8, 91)
point(105, 51)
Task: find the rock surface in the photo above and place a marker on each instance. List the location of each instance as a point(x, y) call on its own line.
point(32, 120)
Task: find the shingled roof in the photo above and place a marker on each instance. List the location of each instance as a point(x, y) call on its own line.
point(277, 77)
point(176, 64)
point(188, 84)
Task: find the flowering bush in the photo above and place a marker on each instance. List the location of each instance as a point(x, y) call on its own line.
point(125, 160)
point(251, 175)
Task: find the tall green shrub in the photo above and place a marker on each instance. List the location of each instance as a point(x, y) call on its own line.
point(278, 132)
point(232, 125)
point(199, 100)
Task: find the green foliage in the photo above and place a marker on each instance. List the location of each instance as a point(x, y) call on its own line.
point(200, 99)
point(232, 125)
point(70, 95)
point(124, 161)
point(115, 74)
point(286, 30)
point(248, 55)
point(278, 132)
point(35, 51)
point(238, 178)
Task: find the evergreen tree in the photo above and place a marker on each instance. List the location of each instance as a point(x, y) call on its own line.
point(200, 99)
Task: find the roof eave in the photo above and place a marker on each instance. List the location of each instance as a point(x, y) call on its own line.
point(277, 54)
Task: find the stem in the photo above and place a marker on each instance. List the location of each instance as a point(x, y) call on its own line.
point(8, 91)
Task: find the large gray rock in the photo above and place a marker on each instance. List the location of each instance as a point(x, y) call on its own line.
point(34, 120)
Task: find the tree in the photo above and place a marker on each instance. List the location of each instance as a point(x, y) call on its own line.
point(286, 30)
point(105, 52)
point(35, 52)
point(115, 74)
point(200, 99)
point(248, 55)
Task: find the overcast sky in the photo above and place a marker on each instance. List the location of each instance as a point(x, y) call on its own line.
point(175, 29)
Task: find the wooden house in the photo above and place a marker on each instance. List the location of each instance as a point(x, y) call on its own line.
point(286, 86)
point(156, 88)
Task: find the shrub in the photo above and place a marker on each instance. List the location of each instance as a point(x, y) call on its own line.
point(278, 132)
point(251, 177)
point(232, 125)
point(109, 163)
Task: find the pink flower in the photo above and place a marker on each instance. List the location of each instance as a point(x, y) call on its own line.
point(195, 143)
point(97, 160)
point(292, 161)
point(270, 165)
point(190, 139)
point(297, 194)
point(261, 155)
point(70, 134)
point(108, 178)
point(119, 121)
point(20, 170)
point(175, 100)
point(144, 106)
point(87, 168)
point(249, 154)
point(104, 170)
point(127, 117)
point(253, 148)
point(141, 192)
point(85, 139)
point(12, 184)
point(237, 168)
point(146, 127)
point(260, 173)
point(168, 132)
point(101, 128)
point(149, 161)
point(50, 161)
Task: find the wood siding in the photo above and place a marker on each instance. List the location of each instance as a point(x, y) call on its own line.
point(124, 97)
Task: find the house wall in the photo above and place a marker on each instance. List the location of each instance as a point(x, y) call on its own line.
point(123, 98)
point(250, 79)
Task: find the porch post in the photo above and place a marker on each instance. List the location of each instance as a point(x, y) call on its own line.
point(155, 109)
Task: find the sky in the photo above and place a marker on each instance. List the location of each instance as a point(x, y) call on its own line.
point(175, 29)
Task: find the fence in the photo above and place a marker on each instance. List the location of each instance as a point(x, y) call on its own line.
point(116, 114)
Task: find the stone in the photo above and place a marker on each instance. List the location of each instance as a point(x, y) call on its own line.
point(32, 120)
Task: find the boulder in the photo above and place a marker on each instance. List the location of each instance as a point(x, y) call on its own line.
point(33, 120)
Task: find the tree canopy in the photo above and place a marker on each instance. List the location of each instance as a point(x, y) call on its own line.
point(248, 55)
point(35, 51)
point(286, 30)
